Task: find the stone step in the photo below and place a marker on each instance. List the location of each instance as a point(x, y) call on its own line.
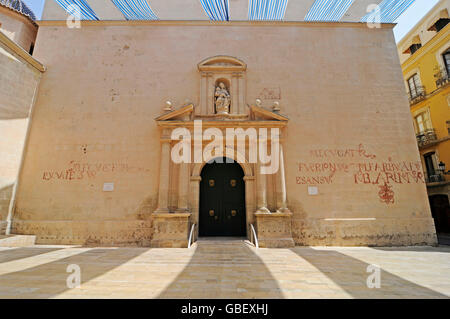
point(221, 240)
point(223, 243)
point(17, 240)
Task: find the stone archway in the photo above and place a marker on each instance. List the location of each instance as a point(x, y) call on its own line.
point(249, 179)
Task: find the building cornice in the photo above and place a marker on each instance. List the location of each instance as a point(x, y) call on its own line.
point(215, 23)
point(441, 35)
point(15, 48)
point(417, 26)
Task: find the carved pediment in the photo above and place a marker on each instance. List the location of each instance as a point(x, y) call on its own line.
point(258, 112)
point(182, 114)
point(222, 63)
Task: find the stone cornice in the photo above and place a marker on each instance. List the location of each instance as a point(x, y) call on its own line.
point(223, 124)
point(217, 23)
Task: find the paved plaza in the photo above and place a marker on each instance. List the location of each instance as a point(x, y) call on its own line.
point(225, 269)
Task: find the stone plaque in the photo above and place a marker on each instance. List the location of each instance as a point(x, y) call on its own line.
point(108, 187)
point(313, 190)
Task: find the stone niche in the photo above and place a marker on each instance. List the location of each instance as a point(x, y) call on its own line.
point(229, 71)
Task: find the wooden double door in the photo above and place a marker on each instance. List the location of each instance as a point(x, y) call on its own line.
point(222, 200)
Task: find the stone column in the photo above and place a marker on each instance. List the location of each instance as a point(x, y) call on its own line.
point(203, 94)
point(183, 180)
point(195, 201)
point(163, 194)
point(210, 93)
point(234, 93)
point(261, 197)
point(281, 185)
point(241, 94)
point(249, 201)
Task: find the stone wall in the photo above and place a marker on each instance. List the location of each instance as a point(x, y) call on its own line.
point(18, 84)
point(350, 133)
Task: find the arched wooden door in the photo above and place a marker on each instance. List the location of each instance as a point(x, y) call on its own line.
point(222, 200)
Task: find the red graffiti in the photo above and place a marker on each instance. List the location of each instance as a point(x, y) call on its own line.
point(386, 194)
point(83, 170)
point(342, 153)
point(314, 180)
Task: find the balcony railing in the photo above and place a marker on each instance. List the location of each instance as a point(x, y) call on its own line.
point(442, 78)
point(436, 178)
point(418, 95)
point(427, 137)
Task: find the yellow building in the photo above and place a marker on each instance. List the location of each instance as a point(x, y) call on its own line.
point(425, 56)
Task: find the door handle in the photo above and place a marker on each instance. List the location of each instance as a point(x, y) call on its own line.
point(211, 212)
point(233, 213)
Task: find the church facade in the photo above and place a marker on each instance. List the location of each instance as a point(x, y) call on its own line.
point(143, 131)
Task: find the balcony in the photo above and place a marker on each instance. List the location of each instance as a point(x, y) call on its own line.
point(442, 78)
point(436, 178)
point(418, 95)
point(426, 138)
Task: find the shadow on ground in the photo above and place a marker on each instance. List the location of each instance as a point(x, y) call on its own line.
point(50, 279)
point(231, 271)
point(23, 252)
point(225, 269)
point(350, 274)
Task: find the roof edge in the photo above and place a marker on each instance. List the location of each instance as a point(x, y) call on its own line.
point(217, 23)
point(30, 19)
point(17, 49)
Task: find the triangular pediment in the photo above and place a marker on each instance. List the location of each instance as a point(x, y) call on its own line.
point(222, 63)
point(263, 113)
point(177, 115)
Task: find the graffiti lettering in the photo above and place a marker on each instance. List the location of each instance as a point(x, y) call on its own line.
point(83, 170)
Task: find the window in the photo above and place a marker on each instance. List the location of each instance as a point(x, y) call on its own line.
point(31, 49)
point(429, 164)
point(415, 88)
point(446, 57)
point(423, 122)
point(413, 48)
point(441, 23)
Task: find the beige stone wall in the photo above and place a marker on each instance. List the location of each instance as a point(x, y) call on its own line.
point(340, 86)
point(18, 28)
point(18, 83)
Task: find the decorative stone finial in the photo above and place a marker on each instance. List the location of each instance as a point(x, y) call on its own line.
point(276, 106)
point(258, 102)
point(168, 106)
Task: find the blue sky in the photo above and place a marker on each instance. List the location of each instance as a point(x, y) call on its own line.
point(405, 22)
point(36, 6)
point(411, 16)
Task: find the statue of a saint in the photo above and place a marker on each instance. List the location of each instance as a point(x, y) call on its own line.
point(223, 99)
